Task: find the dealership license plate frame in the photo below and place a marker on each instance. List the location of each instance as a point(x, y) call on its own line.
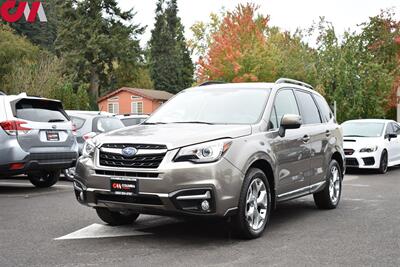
point(52, 136)
point(124, 186)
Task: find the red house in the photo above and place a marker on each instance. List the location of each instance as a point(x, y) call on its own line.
point(133, 101)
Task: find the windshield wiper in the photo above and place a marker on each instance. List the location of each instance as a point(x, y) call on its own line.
point(195, 122)
point(354, 135)
point(56, 120)
point(153, 123)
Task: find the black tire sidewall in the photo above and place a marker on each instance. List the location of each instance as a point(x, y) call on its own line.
point(381, 169)
point(240, 219)
point(50, 179)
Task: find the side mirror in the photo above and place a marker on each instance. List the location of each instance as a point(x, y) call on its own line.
point(289, 121)
point(391, 136)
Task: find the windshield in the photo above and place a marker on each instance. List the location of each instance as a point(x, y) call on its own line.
point(104, 125)
point(213, 106)
point(363, 129)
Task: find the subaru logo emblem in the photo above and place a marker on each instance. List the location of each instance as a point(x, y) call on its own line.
point(129, 152)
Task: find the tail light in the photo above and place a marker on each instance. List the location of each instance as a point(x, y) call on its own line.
point(74, 129)
point(89, 136)
point(15, 127)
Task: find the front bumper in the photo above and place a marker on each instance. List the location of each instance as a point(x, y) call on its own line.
point(363, 160)
point(173, 188)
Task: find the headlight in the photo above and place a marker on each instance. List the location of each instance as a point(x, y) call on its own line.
point(203, 153)
point(369, 149)
point(88, 149)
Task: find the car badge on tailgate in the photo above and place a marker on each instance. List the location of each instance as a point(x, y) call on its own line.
point(129, 151)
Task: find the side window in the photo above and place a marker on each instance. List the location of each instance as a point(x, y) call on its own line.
point(390, 129)
point(285, 103)
point(325, 110)
point(397, 128)
point(77, 122)
point(309, 111)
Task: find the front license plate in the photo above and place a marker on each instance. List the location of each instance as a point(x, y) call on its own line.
point(52, 136)
point(124, 186)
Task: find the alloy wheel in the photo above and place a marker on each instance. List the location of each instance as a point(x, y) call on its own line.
point(334, 185)
point(256, 204)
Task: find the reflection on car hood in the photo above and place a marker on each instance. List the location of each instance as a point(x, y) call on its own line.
point(173, 135)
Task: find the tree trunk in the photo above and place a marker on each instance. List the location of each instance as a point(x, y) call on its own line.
point(398, 104)
point(94, 83)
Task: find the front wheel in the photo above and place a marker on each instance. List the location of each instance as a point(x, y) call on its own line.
point(383, 166)
point(329, 198)
point(45, 179)
point(115, 218)
point(254, 205)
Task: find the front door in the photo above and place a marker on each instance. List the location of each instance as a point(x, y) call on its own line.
point(292, 151)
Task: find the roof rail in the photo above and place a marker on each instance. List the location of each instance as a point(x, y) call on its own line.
point(286, 80)
point(211, 82)
point(2, 93)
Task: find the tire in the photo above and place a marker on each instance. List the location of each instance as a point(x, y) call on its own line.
point(69, 174)
point(255, 183)
point(329, 198)
point(383, 166)
point(44, 180)
point(114, 218)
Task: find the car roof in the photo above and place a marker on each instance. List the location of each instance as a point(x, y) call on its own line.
point(371, 120)
point(252, 85)
point(133, 116)
point(88, 113)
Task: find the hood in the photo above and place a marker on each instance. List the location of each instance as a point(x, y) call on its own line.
point(357, 143)
point(173, 135)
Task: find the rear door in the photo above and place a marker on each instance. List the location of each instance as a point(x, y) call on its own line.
point(317, 136)
point(47, 124)
point(292, 154)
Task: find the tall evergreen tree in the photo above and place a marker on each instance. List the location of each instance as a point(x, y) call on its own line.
point(170, 63)
point(96, 36)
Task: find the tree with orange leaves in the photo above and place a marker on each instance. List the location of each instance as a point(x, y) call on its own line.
point(237, 50)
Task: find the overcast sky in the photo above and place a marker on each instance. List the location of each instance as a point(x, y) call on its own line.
point(288, 15)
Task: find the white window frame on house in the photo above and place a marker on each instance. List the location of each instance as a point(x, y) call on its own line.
point(113, 107)
point(112, 99)
point(134, 97)
point(135, 107)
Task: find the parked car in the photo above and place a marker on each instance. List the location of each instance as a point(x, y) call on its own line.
point(131, 120)
point(225, 150)
point(36, 139)
point(371, 144)
point(89, 124)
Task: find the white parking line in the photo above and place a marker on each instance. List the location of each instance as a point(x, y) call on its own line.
point(102, 231)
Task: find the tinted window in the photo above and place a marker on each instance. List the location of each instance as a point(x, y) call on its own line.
point(362, 129)
point(397, 129)
point(213, 105)
point(40, 111)
point(132, 121)
point(309, 111)
point(324, 108)
point(106, 124)
point(77, 122)
point(389, 129)
point(285, 103)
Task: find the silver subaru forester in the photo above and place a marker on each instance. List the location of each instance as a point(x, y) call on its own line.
point(224, 150)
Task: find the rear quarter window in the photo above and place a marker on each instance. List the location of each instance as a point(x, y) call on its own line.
point(40, 111)
point(77, 122)
point(326, 112)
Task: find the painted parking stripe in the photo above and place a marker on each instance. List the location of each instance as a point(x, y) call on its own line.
point(102, 231)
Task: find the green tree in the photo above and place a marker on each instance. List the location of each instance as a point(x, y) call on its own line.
point(14, 50)
point(95, 35)
point(171, 66)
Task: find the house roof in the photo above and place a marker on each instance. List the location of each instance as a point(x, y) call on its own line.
point(147, 93)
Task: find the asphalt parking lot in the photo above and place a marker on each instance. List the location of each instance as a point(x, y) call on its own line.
point(47, 227)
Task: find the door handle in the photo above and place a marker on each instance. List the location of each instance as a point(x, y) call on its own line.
point(328, 133)
point(306, 138)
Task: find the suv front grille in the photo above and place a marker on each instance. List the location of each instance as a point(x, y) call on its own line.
point(145, 161)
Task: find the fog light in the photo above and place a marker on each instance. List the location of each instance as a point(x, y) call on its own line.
point(205, 205)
